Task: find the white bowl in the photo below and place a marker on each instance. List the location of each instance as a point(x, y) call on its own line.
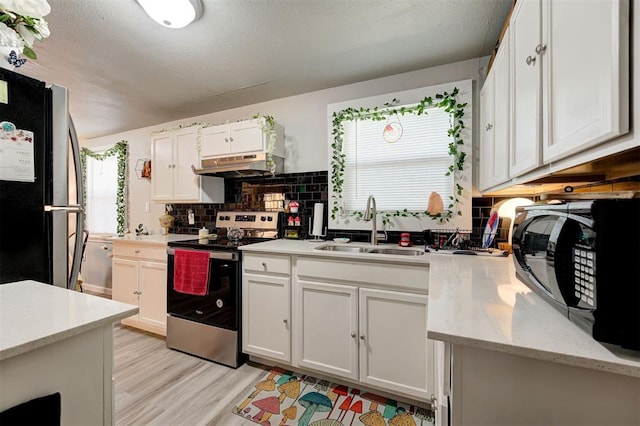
point(341, 240)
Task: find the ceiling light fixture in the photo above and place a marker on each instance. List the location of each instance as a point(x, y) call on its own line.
point(172, 13)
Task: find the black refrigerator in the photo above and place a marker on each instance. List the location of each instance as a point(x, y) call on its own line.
point(41, 217)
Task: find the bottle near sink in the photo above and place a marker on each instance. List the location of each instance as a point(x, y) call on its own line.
point(405, 240)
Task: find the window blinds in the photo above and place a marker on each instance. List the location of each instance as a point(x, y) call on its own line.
point(401, 174)
point(102, 178)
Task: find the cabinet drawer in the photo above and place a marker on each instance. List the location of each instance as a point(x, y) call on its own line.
point(270, 263)
point(388, 275)
point(140, 251)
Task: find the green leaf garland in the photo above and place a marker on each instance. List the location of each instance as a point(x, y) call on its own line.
point(446, 101)
point(121, 150)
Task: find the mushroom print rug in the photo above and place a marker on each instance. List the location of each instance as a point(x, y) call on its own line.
point(284, 398)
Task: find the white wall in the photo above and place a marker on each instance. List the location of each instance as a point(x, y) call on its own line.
point(304, 118)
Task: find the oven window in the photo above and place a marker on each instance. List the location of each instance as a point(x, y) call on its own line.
point(219, 307)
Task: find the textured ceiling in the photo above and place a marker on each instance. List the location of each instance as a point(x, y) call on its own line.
point(124, 71)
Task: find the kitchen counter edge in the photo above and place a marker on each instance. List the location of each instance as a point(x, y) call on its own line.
point(34, 314)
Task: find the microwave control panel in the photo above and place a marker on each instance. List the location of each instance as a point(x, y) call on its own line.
point(584, 271)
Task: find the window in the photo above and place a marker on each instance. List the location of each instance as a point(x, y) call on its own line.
point(402, 174)
point(101, 181)
point(376, 167)
point(105, 188)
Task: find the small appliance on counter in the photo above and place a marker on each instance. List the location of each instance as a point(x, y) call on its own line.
point(583, 257)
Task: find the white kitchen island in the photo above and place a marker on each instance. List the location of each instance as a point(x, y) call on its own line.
point(56, 340)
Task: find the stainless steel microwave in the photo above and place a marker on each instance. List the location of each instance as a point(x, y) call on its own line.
point(583, 258)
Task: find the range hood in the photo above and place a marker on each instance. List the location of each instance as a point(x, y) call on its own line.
point(239, 165)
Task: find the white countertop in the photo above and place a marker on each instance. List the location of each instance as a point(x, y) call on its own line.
point(154, 239)
point(306, 247)
point(478, 301)
point(33, 314)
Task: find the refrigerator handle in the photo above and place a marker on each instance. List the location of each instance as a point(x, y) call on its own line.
point(77, 251)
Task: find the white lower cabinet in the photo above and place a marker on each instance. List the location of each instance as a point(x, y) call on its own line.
point(327, 320)
point(139, 277)
point(266, 306)
point(394, 351)
point(362, 321)
point(351, 322)
point(143, 284)
point(265, 316)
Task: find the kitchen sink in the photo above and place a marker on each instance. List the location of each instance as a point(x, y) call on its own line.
point(372, 250)
point(406, 252)
point(350, 249)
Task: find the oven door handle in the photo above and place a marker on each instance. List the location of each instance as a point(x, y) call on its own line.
point(221, 255)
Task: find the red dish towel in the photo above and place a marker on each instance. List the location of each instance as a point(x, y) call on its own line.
point(191, 272)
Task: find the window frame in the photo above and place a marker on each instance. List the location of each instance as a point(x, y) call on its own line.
point(119, 149)
point(352, 220)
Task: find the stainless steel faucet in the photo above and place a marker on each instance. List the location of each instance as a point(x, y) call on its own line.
point(370, 215)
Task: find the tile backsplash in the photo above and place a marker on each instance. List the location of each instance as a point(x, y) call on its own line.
point(261, 192)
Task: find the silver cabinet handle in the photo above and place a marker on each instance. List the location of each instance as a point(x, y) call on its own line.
point(231, 139)
point(264, 265)
point(136, 251)
point(530, 60)
point(540, 48)
point(489, 127)
point(353, 335)
point(285, 320)
point(362, 337)
point(226, 139)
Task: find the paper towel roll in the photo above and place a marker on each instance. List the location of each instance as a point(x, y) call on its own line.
point(318, 211)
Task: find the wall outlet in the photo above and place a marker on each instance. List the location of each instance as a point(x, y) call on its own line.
point(192, 219)
point(146, 207)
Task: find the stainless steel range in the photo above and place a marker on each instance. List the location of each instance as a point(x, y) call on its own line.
point(208, 325)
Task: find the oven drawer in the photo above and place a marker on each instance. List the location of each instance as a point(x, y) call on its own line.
point(266, 263)
point(140, 251)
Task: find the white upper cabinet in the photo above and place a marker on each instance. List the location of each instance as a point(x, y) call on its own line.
point(242, 137)
point(569, 78)
point(173, 180)
point(494, 116)
point(526, 126)
point(585, 74)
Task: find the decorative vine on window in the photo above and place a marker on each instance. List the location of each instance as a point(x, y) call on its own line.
point(120, 149)
point(354, 120)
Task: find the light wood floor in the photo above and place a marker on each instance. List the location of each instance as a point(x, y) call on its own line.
point(159, 386)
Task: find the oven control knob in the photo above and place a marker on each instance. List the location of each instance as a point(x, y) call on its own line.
point(227, 218)
point(262, 218)
point(270, 219)
point(221, 217)
point(219, 303)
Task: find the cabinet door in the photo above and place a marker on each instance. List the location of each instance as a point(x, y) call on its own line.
point(153, 295)
point(326, 327)
point(215, 141)
point(186, 184)
point(394, 352)
point(125, 281)
point(585, 74)
point(501, 111)
point(162, 167)
point(266, 312)
point(487, 129)
point(246, 136)
point(526, 142)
